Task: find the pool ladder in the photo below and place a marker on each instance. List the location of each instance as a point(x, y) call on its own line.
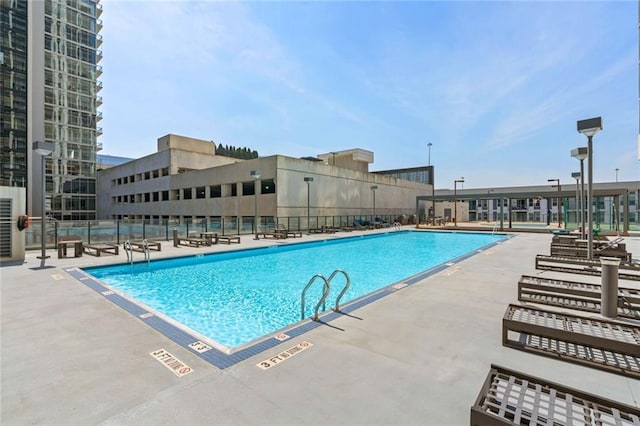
point(325, 292)
point(128, 248)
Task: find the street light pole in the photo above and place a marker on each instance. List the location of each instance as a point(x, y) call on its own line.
point(617, 170)
point(429, 145)
point(373, 188)
point(580, 154)
point(577, 176)
point(589, 128)
point(308, 180)
point(44, 149)
point(558, 201)
point(455, 201)
point(255, 174)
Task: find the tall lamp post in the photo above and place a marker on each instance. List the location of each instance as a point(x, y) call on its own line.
point(308, 180)
point(373, 189)
point(255, 174)
point(455, 201)
point(433, 186)
point(617, 170)
point(43, 149)
point(581, 154)
point(558, 201)
point(589, 128)
point(577, 176)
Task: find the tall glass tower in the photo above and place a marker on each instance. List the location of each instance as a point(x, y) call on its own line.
point(61, 70)
point(13, 93)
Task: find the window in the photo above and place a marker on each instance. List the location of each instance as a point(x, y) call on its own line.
point(156, 196)
point(215, 191)
point(147, 197)
point(165, 195)
point(200, 192)
point(268, 186)
point(187, 192)
point(147, 175)
point(248, 188)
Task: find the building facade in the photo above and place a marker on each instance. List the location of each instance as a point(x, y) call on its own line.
point(615, 204)
point(50, 92)
point(186, 180)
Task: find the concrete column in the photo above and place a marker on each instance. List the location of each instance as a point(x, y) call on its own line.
point(609, 298)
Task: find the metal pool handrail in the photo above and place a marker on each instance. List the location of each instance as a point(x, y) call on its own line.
point(325, 293)
point(344, 289)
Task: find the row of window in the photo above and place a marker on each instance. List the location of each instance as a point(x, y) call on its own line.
point(151, 174)
point(214, 191)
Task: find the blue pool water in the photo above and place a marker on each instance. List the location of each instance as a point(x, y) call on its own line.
point(236, 297)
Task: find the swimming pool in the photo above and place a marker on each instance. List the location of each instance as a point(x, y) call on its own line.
point(236, 297)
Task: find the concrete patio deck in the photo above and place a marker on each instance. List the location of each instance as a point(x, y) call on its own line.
point(417, 356)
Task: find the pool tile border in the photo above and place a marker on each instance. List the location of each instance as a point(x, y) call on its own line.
point(223, 360)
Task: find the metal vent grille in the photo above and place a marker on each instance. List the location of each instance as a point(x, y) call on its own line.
point(5, 227)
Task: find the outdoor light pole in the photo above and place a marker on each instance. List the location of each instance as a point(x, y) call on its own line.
point(589, 128)
point(580, 154)
point(433, 187)
point(577, 176)
point(558, 202)
point(455, 201)
point(373, 189)
point(617, 170)
point(44, 149)
point(255, 174)
point(308, 180)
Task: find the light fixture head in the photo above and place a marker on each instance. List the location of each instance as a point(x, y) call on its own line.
point(580, 153)
point(43, 148)
point(590, 126)
point(255, 174)
point(308, 179)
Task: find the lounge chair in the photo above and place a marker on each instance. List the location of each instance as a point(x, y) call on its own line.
point(626, 270)
point(271, 232)
point(228, 239)
point(511, 397)
point(97, 249)
point(193, 242)
point(361, 226)
point(576, 295)
point(294, 234)
point(139, 245)
point(607, 345)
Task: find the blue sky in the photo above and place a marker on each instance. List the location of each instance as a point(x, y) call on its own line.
point(496, 87)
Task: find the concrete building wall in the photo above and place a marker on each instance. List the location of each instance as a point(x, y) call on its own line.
point(174, 183)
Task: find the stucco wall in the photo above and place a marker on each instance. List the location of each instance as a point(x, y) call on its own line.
point(334, 191)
